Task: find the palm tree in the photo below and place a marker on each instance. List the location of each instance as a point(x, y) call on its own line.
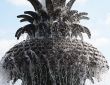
point(52, 55)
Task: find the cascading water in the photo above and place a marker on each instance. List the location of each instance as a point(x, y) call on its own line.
point(52, 54)
point(53, 63)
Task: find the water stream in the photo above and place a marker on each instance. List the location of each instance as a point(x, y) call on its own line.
point(47, 62)
point(4, 79)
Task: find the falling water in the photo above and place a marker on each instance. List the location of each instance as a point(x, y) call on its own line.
point(105, 80)
point(4, 79)
point(54, 64)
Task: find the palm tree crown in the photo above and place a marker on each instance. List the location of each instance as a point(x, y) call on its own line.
point(56, 20)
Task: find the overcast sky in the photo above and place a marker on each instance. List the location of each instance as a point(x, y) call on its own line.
point(99, 23)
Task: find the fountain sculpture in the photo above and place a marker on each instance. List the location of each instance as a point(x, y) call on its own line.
point(52, 54)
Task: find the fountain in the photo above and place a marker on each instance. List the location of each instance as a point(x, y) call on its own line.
point(52, 54)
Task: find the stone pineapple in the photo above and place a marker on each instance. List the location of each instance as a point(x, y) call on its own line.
point(52, 54)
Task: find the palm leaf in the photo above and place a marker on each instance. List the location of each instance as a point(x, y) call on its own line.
point(69, 4)
point(36, 4)
point(44, 14)
point(42, 30)
point(87, 31)
point(42, 24)
point(24, 20)
point(33, 14)
point(74, 18)
point(76, 28)
point(71, 12)
point(62, 2)
point(59, 3)
point(18, 31)
point(83, 13)
point(49, 6)
point(57, 12)
point(18, 36)
point(84, 17)
point(28, 31)
point(26, 17)
point(29, 27)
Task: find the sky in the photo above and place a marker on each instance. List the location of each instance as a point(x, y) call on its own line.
point(99, 23)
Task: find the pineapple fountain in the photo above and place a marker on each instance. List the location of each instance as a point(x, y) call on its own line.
point(52, 54)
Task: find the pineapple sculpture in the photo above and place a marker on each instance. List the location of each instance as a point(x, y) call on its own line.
point(52, 54)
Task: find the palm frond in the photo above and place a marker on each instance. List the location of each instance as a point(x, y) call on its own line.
point(19, 34)
point(60, 3)
point(29, 27)
point(69, 4)
point(83, 13)
point(41, 25)
point(36, 4)
point(87, 31)
point(56, 15)
point(71, 12)
point(43, 30)
point(57, 12)
point(18, 31)
point(77, 17)
point(84, 17)
point(56, 4)
point(33, 14)
point(78, 29)
point(49, 6)
point(44, 14)
point(63, 2)
point(24, 20)
point(28, 18)
point(28, 31)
